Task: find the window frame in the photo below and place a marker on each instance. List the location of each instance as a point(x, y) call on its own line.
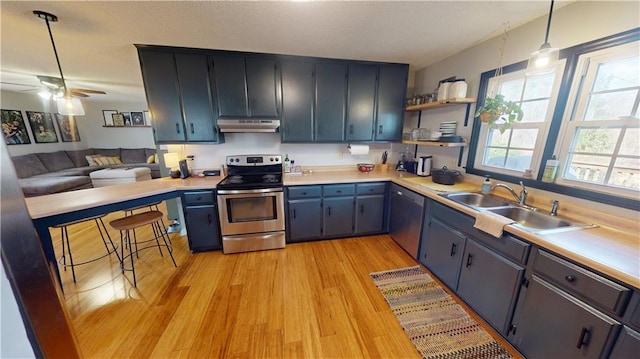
point(571, 55)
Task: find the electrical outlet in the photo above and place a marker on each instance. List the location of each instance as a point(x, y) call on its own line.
point(339, 155)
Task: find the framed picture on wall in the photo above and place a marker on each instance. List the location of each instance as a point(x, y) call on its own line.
point(68, 129)
point(42, 127)
point(118, 119)
point(127, 118)
point(147, 118)
point(13, 128)
point(107, 115)
point(137, 118)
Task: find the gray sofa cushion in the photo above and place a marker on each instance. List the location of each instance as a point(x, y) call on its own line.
point(148, 152)
point(55, 161)
point(111, 152)
point(133, 155)
point(28, 165)
point(36, 186)
point(79, 157)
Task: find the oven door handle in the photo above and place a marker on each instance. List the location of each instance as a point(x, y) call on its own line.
point(249, 191)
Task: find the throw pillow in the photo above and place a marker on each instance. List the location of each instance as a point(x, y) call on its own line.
point(106, 160)
point(151, 159)
point(91, 160)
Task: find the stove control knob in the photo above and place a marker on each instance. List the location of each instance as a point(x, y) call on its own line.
point(237, 160)
point(277, 159)
point(271, 159)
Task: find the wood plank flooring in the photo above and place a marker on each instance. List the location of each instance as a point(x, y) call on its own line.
point(309, 300)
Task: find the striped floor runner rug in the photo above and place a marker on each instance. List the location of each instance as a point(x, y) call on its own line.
point(436, 325)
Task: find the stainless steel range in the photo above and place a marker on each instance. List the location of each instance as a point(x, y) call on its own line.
point(251, 204)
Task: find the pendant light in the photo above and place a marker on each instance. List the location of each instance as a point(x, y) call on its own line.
point(543, 60)
point(67, 105)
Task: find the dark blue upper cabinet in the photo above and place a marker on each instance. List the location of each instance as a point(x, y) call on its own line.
point(392, 88)
point(331, 102)
point(245, 86)
point(297, 101)
point(361, 102)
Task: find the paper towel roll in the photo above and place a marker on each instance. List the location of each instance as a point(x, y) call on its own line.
point(359, 149)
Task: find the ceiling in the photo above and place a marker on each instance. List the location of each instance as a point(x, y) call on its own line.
point(95, 39)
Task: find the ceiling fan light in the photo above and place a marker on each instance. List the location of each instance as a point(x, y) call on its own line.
point(69, 106)
point(45, 94)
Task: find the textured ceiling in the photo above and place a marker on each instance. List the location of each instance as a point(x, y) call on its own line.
point(95, 38)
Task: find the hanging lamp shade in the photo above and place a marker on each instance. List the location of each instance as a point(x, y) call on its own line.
point(70, 106)
point(544, 59)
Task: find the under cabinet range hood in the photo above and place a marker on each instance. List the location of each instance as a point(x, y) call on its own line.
point(248, 125)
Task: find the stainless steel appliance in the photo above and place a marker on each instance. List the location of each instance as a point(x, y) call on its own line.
point(424, 166)
point(248, 125)
point(406, 218)
point(251, 204)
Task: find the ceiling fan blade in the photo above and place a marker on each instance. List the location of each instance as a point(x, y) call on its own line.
point(88, 91)
point(78, 93)
point(50, 81)
point(17, 84)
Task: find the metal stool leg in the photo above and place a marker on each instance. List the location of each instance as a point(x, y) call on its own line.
point(115, 250)
point(165, 236)
point(66, 236)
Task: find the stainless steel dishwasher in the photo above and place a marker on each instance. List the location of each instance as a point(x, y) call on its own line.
point(405, 221)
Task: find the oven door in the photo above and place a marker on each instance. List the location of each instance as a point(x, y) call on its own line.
point(251, 211)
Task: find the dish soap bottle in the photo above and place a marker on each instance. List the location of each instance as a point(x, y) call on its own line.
point(550, 170)
point(486, 185)
point(287, 164)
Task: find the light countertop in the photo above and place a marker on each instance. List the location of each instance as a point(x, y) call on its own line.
point(611, 251)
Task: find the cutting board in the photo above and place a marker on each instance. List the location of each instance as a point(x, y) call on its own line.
point(427, 182)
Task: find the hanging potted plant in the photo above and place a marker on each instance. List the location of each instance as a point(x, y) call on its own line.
point(496, 111)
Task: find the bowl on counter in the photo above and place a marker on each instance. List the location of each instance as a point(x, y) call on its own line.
point(365, 167)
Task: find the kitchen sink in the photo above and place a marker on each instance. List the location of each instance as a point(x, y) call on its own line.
point(537, 222)
point(477, 200)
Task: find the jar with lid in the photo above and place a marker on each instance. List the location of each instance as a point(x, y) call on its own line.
point(458, 89)
point(443, 90)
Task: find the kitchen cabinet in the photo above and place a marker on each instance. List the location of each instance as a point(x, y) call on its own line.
point(370, 208)
point(179, 96)
point(331, 101)
point(201, 217)
point(489, 283)
point(361, 102)
point(305, 219)
point(443, 251)
point(297, 101)
point(627, 345)
point(338, 210)
point(406, 215)
point(392, 91)
point(246, 86)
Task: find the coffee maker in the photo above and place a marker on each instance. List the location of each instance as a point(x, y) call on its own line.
point(406, 163)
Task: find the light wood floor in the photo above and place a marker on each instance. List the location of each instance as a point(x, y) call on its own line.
point(312, 299)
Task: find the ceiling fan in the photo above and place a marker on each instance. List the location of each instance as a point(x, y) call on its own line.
point(55, 85)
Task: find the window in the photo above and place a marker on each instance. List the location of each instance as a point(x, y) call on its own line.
point(602, 123)
point(586, 113)
point(519, 149)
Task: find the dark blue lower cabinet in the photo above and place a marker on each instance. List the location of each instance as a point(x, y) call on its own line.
point(442, 250)
point(555, 324)
point(338, 216)
point(305, 219)
point(203, 230)
point(627, 345)
point(370, 214)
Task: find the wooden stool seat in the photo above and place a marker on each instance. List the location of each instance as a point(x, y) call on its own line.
point(136, 220)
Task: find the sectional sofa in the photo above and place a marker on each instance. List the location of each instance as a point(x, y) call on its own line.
point(53, 172)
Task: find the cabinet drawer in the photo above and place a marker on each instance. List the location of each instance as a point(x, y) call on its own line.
point(200, 197)
point(590, 286)
point(371, 188)
point(339, 190)
point(304, 192)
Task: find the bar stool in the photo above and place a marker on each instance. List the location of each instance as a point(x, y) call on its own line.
point(128, 224)
point(152, 207)
point(65, 240)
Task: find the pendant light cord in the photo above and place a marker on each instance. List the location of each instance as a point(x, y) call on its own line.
point(55, 52)
point(546, 35)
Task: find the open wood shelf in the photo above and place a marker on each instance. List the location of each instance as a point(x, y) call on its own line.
point(435, 143)
point(443, 103)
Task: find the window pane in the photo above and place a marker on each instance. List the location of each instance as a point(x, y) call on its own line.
point(498, 139)
point(519, 160)
point(617, 74)
point(495, 157)
point(539, 86)
point(631, 142)
point(625, 173)
point(588, 168)
point(512, 89)
point(610, 106)
point(524, 138)
point(596, 140)
point(535, 111)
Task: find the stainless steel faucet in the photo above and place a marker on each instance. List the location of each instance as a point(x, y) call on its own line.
point(521, 199)
point(554, 207)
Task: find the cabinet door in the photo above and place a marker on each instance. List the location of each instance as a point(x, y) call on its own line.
point(297, 101)
point(305, 219)
point(195, 92)
point(392, 88)
point(361, 103)
point(369, 214)
point(442, 252)
point(231, 86)
point(261, 87)
point(627, 345)
point(203, 231)
point(163, 96)
point(489, 283)
point(331, 102)
point(338, 216)
point(554, 324)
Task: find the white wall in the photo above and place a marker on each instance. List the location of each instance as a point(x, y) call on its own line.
point(90, 126)
point(571, 25)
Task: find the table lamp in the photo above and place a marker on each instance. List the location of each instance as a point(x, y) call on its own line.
point(171, 161)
